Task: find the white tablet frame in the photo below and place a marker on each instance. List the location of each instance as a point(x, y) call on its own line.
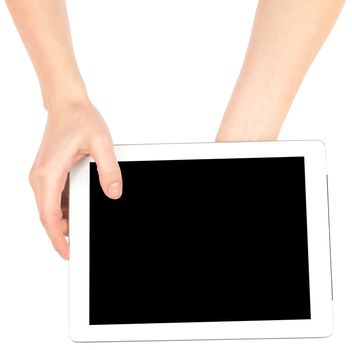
point(321, 322)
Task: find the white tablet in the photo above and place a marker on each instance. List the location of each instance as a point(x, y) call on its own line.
point(208, 241)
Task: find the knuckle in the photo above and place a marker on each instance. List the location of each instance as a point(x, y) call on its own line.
point(101, 134)
point(99, 137)
point(47, 218)
point(46, 173)
point(31, 177)
point(109, 166)
point(39, 172)
point(42, 172)
point(44, 219)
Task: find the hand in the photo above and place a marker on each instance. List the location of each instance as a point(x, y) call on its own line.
point(72, 132)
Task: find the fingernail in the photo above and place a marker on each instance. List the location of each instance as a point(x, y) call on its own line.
point(115, 189)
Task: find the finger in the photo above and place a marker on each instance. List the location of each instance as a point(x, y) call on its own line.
point(49, 200)
point(65, 207)
point(109, 171)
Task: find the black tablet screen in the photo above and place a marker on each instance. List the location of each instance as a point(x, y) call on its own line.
point(200, 240)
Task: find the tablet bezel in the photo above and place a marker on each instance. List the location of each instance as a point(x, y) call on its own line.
point(321, 322)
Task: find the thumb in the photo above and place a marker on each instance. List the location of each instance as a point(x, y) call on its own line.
point(109, 171)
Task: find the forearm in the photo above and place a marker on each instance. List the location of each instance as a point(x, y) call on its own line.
point(44, 29)
point(286, 37)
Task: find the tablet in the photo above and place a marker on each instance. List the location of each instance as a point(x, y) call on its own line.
point(208, 241)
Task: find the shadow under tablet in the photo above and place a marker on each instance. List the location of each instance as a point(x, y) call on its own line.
point(200, 241)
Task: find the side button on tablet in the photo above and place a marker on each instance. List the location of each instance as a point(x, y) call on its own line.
point(327, 191)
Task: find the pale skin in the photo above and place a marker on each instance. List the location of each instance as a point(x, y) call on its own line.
point(286, 36)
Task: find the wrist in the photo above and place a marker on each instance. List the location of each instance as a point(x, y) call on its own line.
point(233, 129)
point(68, 94)
point(62, 86)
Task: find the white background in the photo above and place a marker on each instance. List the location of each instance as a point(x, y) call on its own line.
point(159, 71)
